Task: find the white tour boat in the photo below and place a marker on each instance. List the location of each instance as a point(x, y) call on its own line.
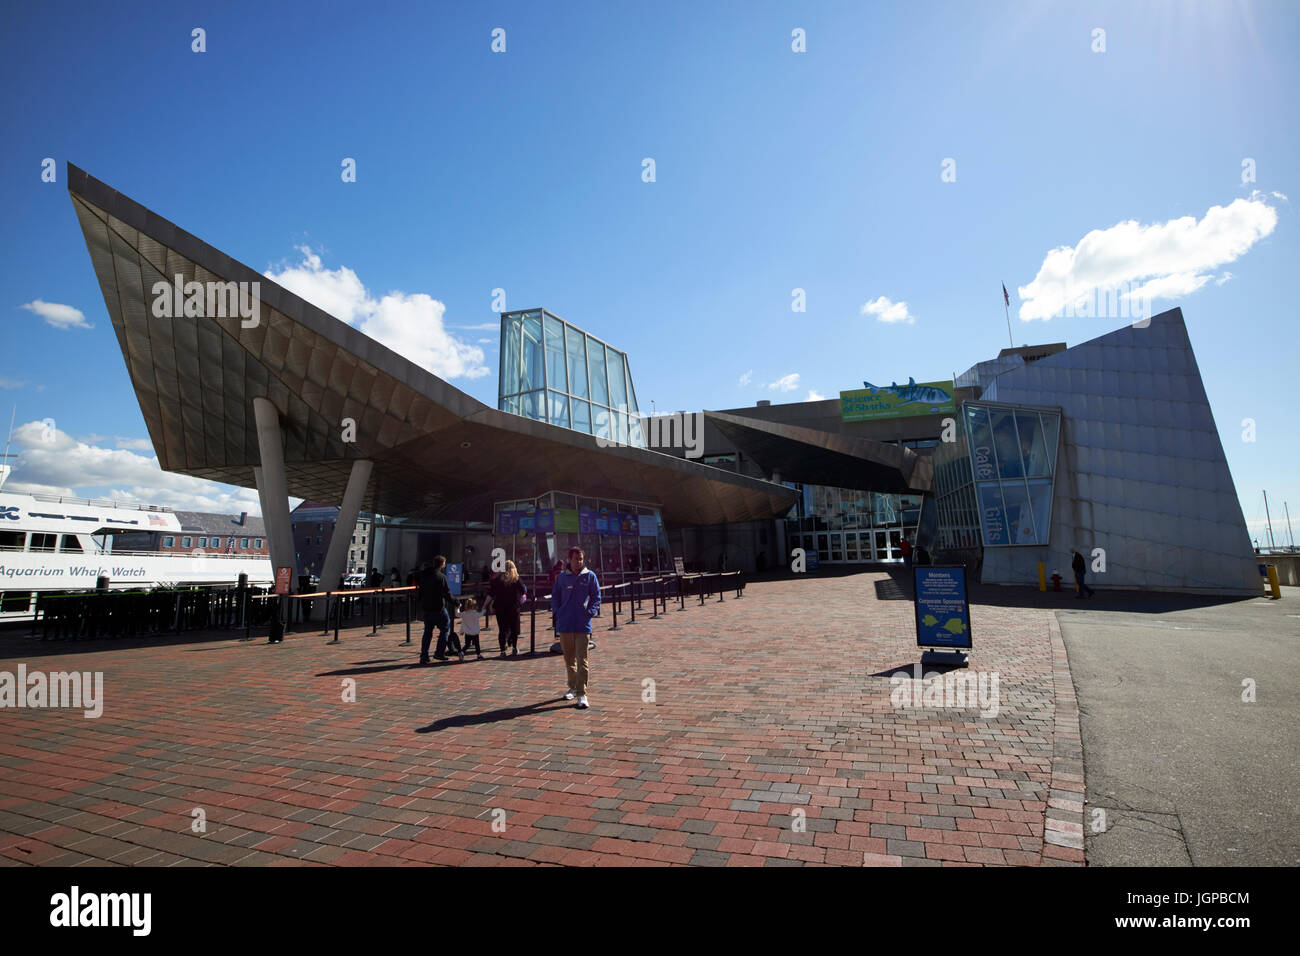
point(50, 543)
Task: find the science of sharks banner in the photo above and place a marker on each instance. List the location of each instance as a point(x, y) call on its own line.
point(896, 401)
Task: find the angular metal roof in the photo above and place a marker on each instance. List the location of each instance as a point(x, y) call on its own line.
point(437, 452)
point(818, 457)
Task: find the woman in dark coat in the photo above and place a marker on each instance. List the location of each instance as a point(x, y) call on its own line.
point(506, 593)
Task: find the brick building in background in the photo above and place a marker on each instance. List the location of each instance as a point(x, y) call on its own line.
point(201, 531)
point(313, 523)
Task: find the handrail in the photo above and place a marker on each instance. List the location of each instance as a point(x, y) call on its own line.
point(187, 555)
point(344, 592)
point(99, 503)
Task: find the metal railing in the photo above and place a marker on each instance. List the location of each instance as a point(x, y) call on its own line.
point(100, 503)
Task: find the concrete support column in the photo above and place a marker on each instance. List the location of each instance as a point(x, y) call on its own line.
point(337, 552)
point(271, 487)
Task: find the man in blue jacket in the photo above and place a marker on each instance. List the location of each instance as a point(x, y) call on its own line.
point(575, 599)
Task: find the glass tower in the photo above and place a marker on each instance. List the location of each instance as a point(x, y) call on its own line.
point(552, 371)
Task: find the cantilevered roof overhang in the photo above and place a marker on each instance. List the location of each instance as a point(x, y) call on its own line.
point(817, 457)
point(437, 452)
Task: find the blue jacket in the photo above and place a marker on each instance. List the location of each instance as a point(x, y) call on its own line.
point(575, 599)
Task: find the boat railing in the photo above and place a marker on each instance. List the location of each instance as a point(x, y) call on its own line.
point(188, 555)
point(101, 503)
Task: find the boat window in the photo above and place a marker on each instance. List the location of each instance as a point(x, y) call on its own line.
point(169, 542)
point(13, 601)
point(257, 543)
point(243, 542)
point(43, 542)
point(70, 543)
point(186, 542)
point(203, 542)
point(12, 540)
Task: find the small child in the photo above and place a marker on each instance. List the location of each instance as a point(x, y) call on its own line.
point(470, 617)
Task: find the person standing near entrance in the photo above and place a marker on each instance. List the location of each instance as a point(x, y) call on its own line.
point(435, 596)
point(1080, 572)
point(906, 550)
point(574, 602)
point(506, 594)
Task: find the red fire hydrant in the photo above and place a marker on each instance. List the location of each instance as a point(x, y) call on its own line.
point(1056, 580)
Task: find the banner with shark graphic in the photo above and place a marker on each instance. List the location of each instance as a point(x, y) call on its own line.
point(897, 401)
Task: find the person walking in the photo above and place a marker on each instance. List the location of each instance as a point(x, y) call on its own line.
point(506, 594)
point(435, 595)
point(575, 600)
point(1080, 572)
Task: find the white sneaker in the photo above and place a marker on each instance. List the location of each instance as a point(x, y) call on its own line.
point(582, 702)
point(569, 695)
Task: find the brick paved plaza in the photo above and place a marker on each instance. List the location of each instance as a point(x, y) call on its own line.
point(775, 703)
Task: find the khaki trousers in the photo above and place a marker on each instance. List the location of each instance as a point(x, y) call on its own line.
point(575, 660)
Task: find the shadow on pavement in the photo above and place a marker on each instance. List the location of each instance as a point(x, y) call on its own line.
point(492, 716)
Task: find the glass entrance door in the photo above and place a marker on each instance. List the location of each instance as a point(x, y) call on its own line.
point(851, 546)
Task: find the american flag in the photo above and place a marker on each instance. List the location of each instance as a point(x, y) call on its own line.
point(1005, 298)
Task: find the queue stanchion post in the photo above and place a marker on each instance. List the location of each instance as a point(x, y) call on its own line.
point(408, 617)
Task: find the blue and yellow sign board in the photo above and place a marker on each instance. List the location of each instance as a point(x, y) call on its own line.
point(897, 401)
point(942, 610)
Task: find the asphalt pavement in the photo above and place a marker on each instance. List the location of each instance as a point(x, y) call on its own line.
point(1183, 769)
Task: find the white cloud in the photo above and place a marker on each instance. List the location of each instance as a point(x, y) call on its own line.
point(411, 324)
point(815, 396)
point(1169, 259)
point(886, 311)
point(59, 316)
point(786, 383)
point(66, 466)
point(481, 327)
point(10, 383)
point(746, 378)
point(1223, 278)
point(134, 444)
point(485, 342)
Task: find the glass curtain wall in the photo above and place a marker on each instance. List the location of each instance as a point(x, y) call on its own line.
point(621, 540)
point(555, 372)
point(1012, 454)
point(849, 525)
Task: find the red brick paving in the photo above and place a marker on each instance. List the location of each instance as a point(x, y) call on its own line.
point(776, 702)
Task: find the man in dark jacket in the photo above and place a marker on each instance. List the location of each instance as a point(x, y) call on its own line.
point(575, 599)
point(435, 595)
point(1080, 571)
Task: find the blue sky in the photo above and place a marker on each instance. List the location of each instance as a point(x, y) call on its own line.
point(774, 170)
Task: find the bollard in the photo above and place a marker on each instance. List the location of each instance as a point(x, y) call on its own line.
point(654, 601)
point(408, 617)
point(338, 616)
point(374, 614)
point(532, 627)
point(1273, 582)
